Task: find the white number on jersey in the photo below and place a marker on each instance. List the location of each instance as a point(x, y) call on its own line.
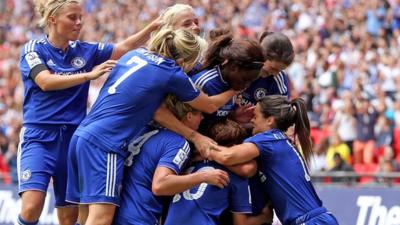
point(136, 145)
point(200, 191)
point(306, 175)
point(139, 64)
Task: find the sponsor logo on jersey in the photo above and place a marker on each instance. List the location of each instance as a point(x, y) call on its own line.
point(78, 62)
point(260, 93)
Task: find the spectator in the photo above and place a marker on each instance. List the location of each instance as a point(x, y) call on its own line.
point(337, 146)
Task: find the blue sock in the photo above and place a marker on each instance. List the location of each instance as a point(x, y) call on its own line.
point(23, 222)
point(77, 223)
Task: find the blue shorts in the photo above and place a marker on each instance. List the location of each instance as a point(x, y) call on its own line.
point(94, 175)
point(318, 216)
point(42, 154)
point(322, 219)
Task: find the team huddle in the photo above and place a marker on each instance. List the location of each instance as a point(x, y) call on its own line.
point(184, 131)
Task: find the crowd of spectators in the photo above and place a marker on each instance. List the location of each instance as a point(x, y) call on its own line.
point(346, 67)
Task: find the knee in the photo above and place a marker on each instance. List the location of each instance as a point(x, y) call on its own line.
point(31, 211)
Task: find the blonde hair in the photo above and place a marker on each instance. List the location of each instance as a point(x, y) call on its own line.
point(178, 108)
point(47, 8)
point(171, 15)
point(178, 44)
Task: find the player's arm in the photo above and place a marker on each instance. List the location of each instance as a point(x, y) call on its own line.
point(167, 182)
point(247, 169)
point(51, 82)
point(245, 219)
point(234, 155)
point(166, 119)
point(136, 40)
point(210, 104)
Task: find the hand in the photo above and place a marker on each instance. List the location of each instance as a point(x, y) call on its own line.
point(216, 177)
point(244, 114)
point(101, 69)
point(155, 24)
point(268, 212)
point(203, 144)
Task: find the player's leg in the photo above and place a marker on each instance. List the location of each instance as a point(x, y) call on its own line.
point(100, 214)
point(83, 214)
point(67, 215)
point(67, 212)
point(31, 207)
point(34, 171)
point(100, 176)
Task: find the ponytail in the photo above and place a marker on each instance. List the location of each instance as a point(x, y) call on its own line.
point(215, 55)
point(178, 44)
point(287, 113)
point(302, 127)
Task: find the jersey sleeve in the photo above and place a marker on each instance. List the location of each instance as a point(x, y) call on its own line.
point(103, 52)
point(281, 84)
point(182, 86)
point(176, 154)
point(31, 61)
point(262, 144)
point(239, 196)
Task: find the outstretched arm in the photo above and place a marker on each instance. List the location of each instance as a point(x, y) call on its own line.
point(247, 169)
point(51, 82)
point(136, 40)
point(166, 119)
point(166, 182)
point(234, 155)
point(210, 104)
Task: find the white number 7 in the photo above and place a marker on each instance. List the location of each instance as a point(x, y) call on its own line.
point(139, 64)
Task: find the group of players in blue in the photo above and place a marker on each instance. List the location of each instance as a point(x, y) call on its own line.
point(146, 138)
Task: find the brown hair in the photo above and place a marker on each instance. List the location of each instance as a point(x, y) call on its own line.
point(277, 47)
point(241, 52)
point(287, 113)
point(227, 133)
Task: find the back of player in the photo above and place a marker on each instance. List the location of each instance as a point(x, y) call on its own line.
point(138, 204)
point(204, 204)
point(123, 107)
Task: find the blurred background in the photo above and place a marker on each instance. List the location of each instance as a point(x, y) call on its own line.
point(347, 68)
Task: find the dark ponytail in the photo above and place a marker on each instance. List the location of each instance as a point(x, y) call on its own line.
point(214, 55)
point(287, 113)
point(302, 127)
point(214, 34)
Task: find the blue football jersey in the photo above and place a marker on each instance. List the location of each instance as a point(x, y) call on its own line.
point(67, 106)
point(134, 90)
point(264, 86)
point(212, 83)
point(138, 204)
point(287, 180)
point(259, 197)
point(204, 203)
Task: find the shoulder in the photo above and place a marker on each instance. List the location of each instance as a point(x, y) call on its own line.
point(34, 45)
point(171, 138)
point(205, 77)
point(268, 136)
point(86, 45)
